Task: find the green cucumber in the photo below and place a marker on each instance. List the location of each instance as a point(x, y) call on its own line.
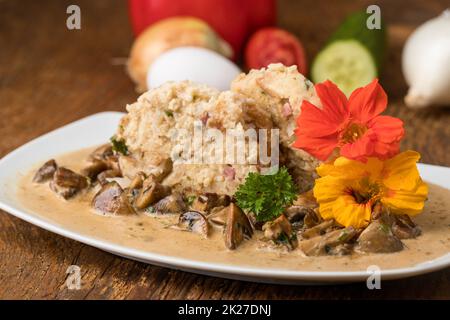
point(353, 55)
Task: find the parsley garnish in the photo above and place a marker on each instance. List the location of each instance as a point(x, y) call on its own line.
point(190, 200)
point(266, 196)
point(118, 145)
point(150, 209)
point(168, 113)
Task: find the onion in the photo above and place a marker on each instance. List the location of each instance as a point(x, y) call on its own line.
point(426, 63)
point(167, 34)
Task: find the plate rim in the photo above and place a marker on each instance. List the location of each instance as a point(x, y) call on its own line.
point(210, 268)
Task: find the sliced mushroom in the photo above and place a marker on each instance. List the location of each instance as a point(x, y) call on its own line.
point(343, 249)
point(129, 166)
point(377, 211)
point(326, 244)
point(148, 180)
point(297, 213)
point(208, 201)
point(280, 231)
point(306, 199)
point(257, 225)
point(378, 238)
point(138, 181)
point(151, 194)
point(113, 164)
point(404, 228)
point(67, 183)
point(112, 199)
point(45, 172)
point(173, 203)
point(318, 230)
point(218, 216)
point(195, 222)
point(201, 202)
point(102, 153)
point(223, 201)
point(312, 218)
point(164, 169)
point(237, 228)
point(102, 177)
point(94, 168)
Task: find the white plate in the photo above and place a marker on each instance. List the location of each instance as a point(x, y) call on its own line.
point(97, 129)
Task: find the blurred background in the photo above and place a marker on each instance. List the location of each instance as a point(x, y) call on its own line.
point(51, 75)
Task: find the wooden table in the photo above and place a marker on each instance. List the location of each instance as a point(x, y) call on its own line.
point(50, 76)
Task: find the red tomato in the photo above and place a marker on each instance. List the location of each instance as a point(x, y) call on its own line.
point(272, 45)
point(234, 20)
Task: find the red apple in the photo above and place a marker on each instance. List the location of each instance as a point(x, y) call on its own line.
point(272, 45)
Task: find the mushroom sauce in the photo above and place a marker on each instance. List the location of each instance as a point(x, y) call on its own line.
point(156, 232)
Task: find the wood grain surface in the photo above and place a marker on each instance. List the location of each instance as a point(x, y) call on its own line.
point(50, 76)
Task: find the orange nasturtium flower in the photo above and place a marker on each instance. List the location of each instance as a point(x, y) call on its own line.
point(347, 189)
point(354, 125)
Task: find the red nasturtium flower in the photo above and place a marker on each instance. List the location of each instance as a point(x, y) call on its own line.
point(354, 125)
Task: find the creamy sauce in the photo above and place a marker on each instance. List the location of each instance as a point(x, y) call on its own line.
point(153, 233)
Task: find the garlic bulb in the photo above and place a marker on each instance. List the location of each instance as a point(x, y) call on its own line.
point(426, 63)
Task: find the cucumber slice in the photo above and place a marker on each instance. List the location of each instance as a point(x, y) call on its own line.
point(353, 54)
point(347, 63)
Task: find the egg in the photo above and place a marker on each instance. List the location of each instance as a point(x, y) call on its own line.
point(192, 63)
